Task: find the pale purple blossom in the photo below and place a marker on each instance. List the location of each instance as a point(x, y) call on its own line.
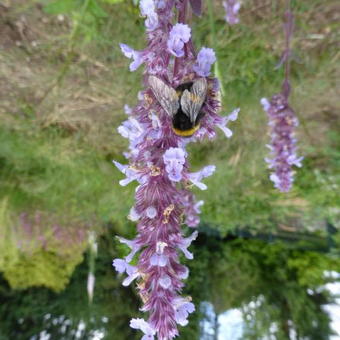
point(127, 109)
point(165, 281)
point(151, 212)
point(133, 215)
point(148, 10)
point(134, 245)
point(183, 274)
point(196, 177)
point(192, 211)
point(131, 129)
point(160, 4)
point(131, 174)
point(179, 35)
point(137, 56)
point(183, 308)
point(132, 275)
point(232, 8)
point(158, 260)
point(223, 125)
point(145, 327)
point(174, 159)
point(205, 58)
point(122, 266)
point(184, 243)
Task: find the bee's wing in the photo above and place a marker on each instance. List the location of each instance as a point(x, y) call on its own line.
point(191, 102)
point(165, 95)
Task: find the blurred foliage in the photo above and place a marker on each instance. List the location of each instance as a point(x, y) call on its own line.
point(278, 289)
point(37, 253)
point(59, 314)
point(275, 287)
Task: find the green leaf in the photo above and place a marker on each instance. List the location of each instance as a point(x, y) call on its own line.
point(60, 6)
point(96, 10)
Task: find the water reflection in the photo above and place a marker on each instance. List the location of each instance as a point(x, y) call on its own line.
point(246, 289)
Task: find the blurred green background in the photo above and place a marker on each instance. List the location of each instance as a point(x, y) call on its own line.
point(63, 85)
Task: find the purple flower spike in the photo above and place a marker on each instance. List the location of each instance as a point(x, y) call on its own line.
point(179, 35)
point(232, 7)
point(282, 122)
point(174, 158)
point(159, 166)
point(205, 58)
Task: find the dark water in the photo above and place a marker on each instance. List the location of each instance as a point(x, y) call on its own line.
point(242, 289)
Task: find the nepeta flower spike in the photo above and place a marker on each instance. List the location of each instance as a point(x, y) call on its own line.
point(159, 164)
point(282, 121)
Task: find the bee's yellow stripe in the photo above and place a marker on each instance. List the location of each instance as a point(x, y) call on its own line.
point(186, 133)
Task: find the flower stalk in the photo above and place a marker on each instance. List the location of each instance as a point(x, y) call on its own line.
point(158, 162)
point(282, 121)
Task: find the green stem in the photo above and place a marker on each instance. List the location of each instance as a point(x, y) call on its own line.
point(213, 39)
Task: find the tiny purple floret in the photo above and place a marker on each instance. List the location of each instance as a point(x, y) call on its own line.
point(205, 58)
point(178, 36)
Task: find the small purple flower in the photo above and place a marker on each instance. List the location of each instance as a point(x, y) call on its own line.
point(232, 7)
point(137, 56)
point(130, 173)
point(127, 109)
point(147, 8)
point(182, 310)
point(185, 243)
point(151, 212)
point(133, 245)
point(223, 125)
point(174, 159)
point(131, 129)
point(205, 58)
point(133, 215)
point(178, 36)
point(122, 266)
point(196, 177)
point(192, 211)
point(159, 260)
point(145, 327)
point(165, 281)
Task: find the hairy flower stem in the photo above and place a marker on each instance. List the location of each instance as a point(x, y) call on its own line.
point(288, 29)
point(282, 120)
point(159, 163)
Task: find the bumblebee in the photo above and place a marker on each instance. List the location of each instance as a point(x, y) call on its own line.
point(182, 104)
